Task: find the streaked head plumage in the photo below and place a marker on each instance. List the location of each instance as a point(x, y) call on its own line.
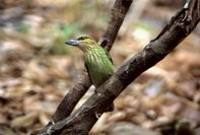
point(83, 42)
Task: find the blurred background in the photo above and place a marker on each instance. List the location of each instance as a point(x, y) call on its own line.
point(37, 69)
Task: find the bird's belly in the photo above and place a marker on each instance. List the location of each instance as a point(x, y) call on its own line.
point(98, 75)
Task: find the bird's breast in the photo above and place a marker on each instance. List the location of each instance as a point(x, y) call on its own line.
point(99, 67)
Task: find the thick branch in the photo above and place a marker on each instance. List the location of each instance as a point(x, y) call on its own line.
point(85, 117)
point(68, 103)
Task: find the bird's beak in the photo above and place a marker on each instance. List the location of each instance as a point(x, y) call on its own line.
point(73, 42)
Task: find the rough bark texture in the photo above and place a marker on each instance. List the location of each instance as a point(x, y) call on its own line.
point(81, 121)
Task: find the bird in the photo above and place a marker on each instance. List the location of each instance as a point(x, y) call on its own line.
point(98, 61)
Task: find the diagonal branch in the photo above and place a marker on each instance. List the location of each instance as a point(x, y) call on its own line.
point(81, 121)
point(68, 103)
point(118, 14)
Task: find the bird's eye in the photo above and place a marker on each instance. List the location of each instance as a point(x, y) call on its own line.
point(83, 38)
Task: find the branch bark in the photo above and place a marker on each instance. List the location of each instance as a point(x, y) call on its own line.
point(118, 14)
point(81, 121)
point(68, 103)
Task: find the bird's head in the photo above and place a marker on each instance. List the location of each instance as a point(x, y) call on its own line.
point(85, 43)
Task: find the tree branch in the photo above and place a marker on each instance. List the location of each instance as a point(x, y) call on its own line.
point(68, 103)
point(81, 121)
point(118, 14)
